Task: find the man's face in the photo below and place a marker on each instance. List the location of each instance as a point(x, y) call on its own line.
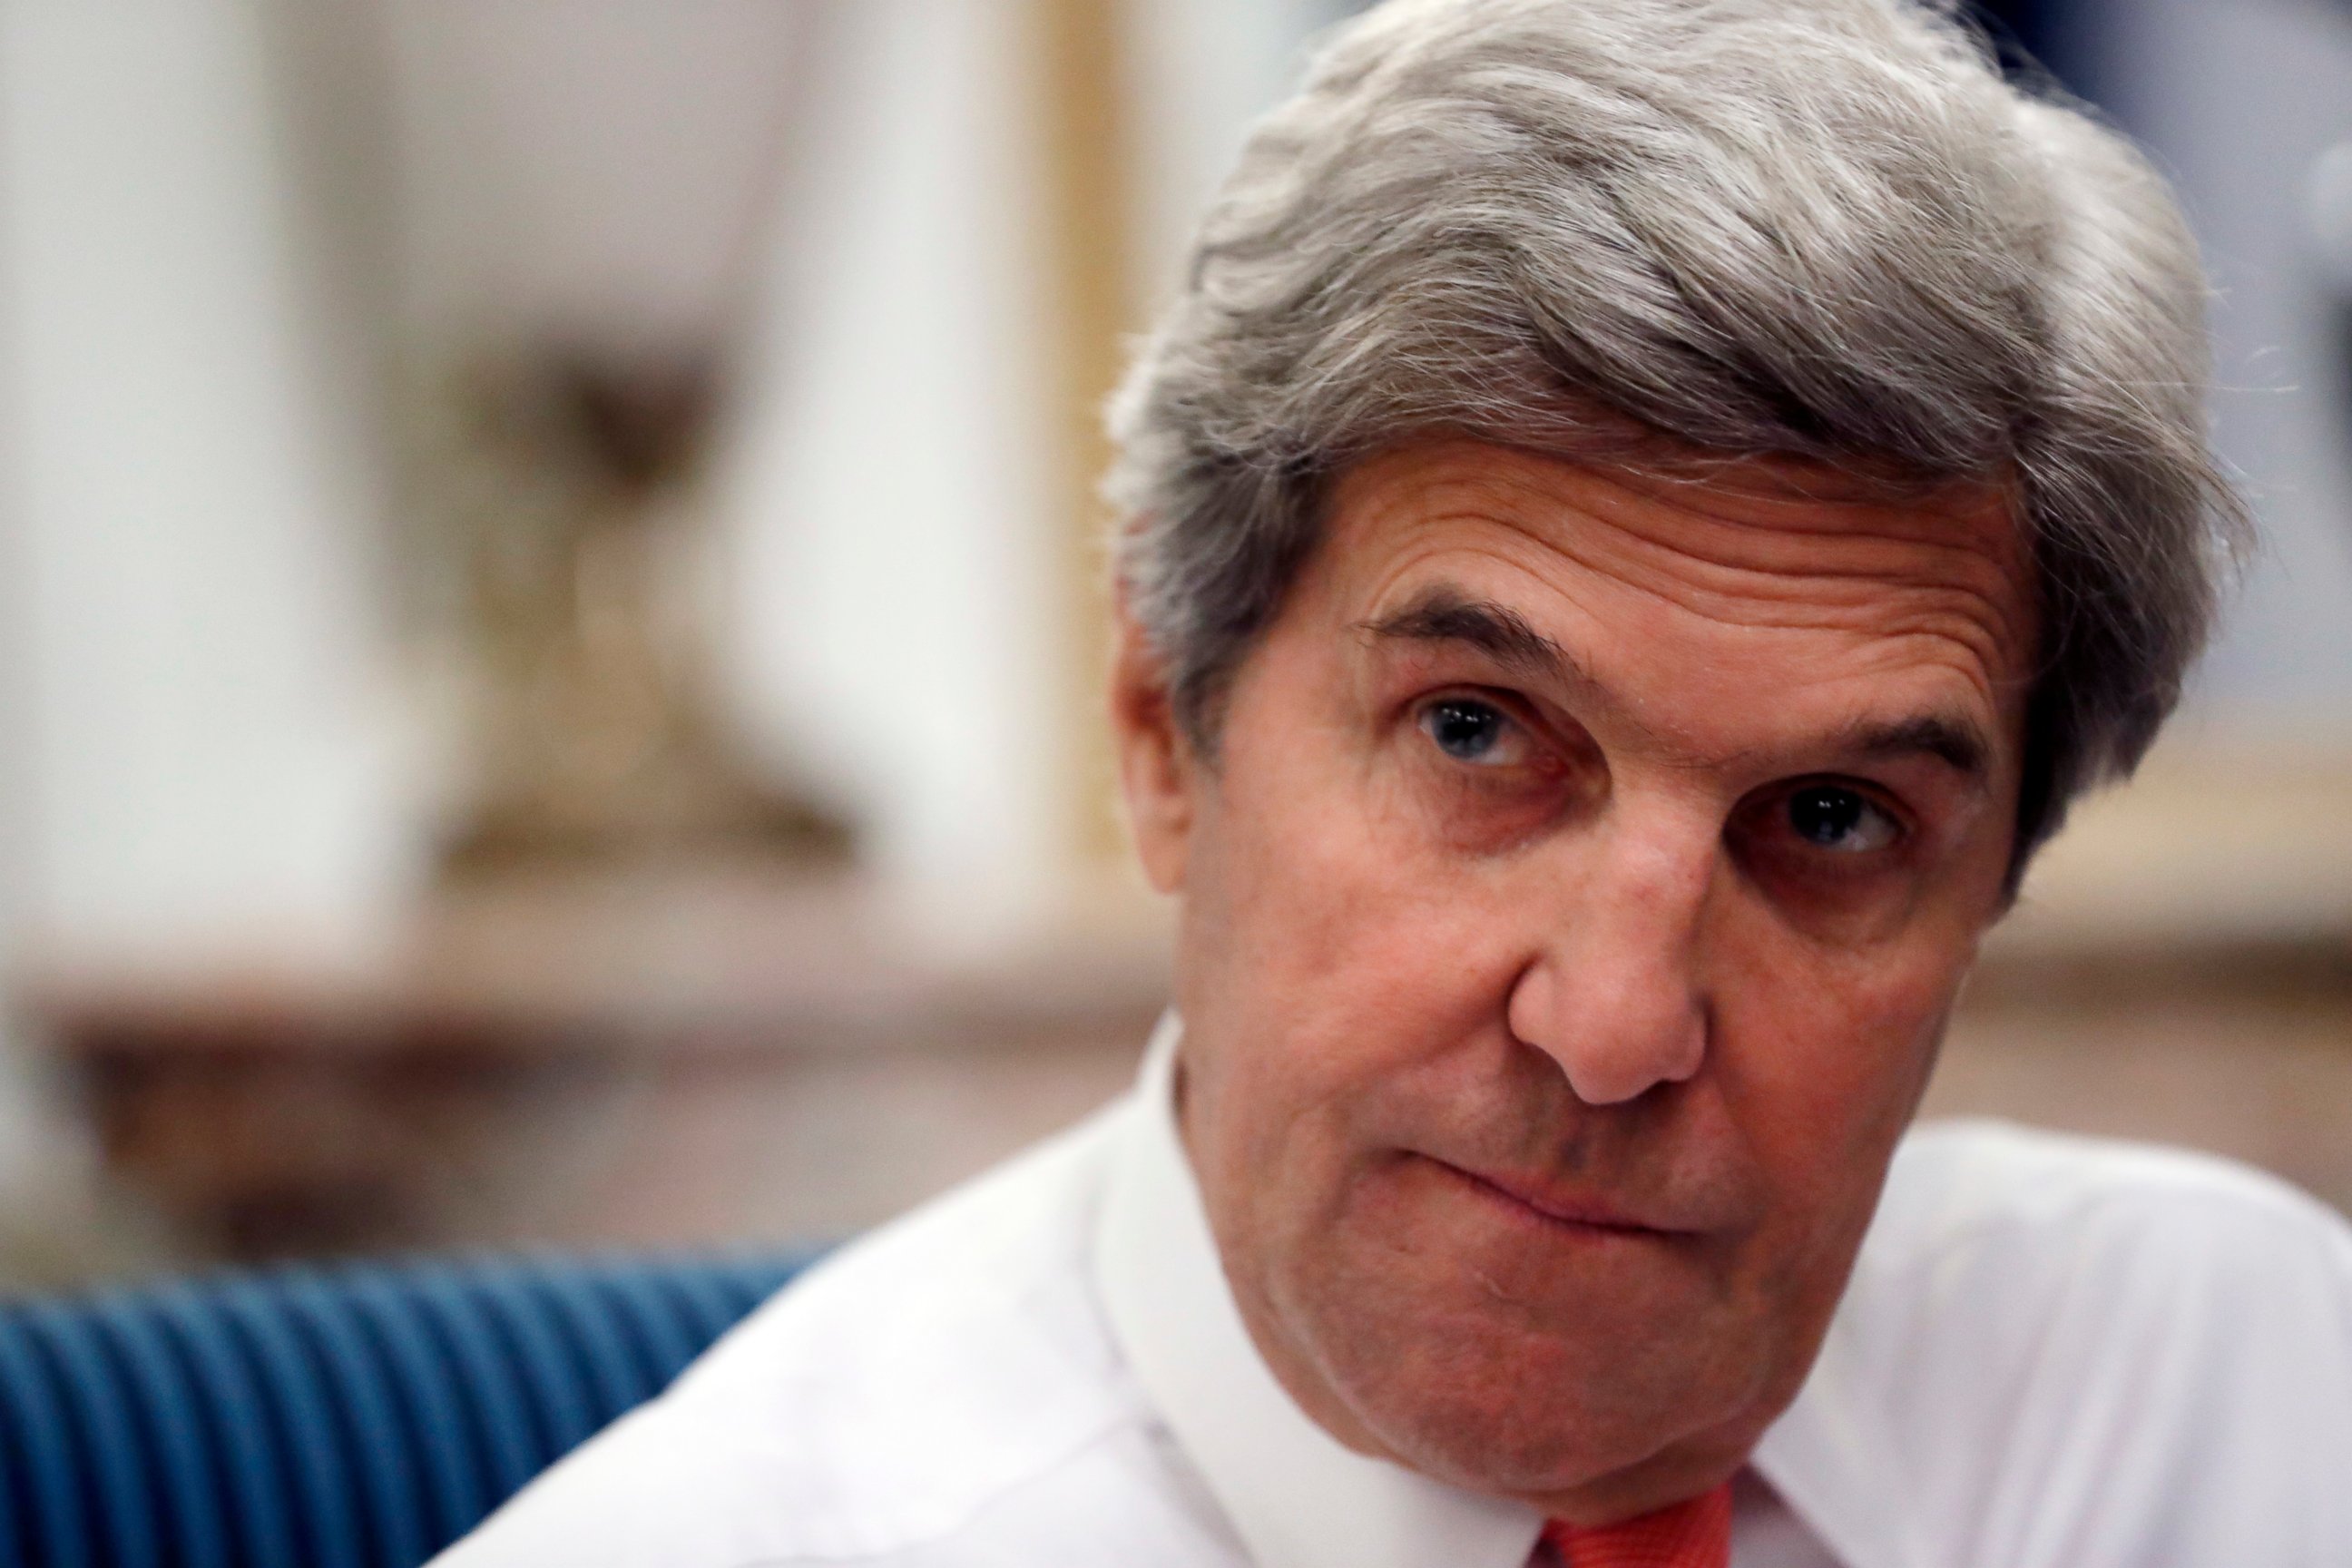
point(1570, 919)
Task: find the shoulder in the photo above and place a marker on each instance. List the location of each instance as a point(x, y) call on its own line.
point(2068, 1339)
point(902, 1395)
point(2116, 1222)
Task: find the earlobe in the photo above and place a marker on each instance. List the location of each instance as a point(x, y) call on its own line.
point(1157, 769)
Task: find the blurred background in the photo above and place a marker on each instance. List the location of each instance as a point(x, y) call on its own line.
point(550, 613)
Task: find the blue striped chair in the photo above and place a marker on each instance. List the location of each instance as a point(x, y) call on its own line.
point(358, 1417)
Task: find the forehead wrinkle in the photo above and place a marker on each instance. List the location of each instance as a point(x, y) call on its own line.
point(1971, 601)
point(1755, 496)
point(1929, 516)
point(1861, 609)
point(1815, 591)
point(1678, 538)
point(1859, 606)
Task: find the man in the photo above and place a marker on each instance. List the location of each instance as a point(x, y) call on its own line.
point(1643, 517)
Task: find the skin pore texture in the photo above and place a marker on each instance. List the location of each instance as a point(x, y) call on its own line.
point(1569, 917)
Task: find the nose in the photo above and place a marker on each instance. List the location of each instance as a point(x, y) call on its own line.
point(1612, 992)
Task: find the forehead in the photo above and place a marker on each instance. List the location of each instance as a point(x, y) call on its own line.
point(1685, 582)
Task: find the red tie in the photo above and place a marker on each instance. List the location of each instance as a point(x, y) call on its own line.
point(1693, 1535)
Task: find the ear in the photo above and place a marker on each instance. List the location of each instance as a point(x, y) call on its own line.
point(1158, 772)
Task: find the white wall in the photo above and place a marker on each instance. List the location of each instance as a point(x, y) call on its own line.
point(203, 733)
point(2238, 102)
point(592, 167)
point(1200, 72)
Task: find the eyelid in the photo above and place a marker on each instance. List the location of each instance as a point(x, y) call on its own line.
point(1510, 704)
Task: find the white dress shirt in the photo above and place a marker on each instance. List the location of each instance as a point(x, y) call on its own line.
point(2054, 1353)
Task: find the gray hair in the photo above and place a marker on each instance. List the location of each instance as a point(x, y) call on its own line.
point(1821, 228)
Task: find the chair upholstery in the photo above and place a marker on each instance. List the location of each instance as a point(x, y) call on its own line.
point(355, 1416)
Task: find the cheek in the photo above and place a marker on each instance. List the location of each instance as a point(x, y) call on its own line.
point(1821, 1066)
point(1328, 960)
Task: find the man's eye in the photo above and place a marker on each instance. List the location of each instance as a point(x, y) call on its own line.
point(1841, 820)
point(1473, 731)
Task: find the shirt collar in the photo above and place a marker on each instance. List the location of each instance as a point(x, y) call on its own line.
point(1830, 1456)
point(1297, 1498)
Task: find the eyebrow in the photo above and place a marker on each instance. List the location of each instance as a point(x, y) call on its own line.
point(1445, 613)
point(1503, 635)
point(1954, 741)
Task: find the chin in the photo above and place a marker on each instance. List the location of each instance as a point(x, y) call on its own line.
point(1504, 1426)
point(1469, 1390)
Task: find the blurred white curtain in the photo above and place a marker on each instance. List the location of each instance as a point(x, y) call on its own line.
point(199, 727)
point(895, 544)
point(883, 497)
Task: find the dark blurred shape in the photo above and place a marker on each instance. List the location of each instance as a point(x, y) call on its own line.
point(564, 505)
point(348, 1418)
point(2033, 39)
point(2031, 34)
point(641, 426)
point(2330, 217)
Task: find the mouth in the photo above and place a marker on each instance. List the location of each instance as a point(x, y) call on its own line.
point(1579, 1213)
